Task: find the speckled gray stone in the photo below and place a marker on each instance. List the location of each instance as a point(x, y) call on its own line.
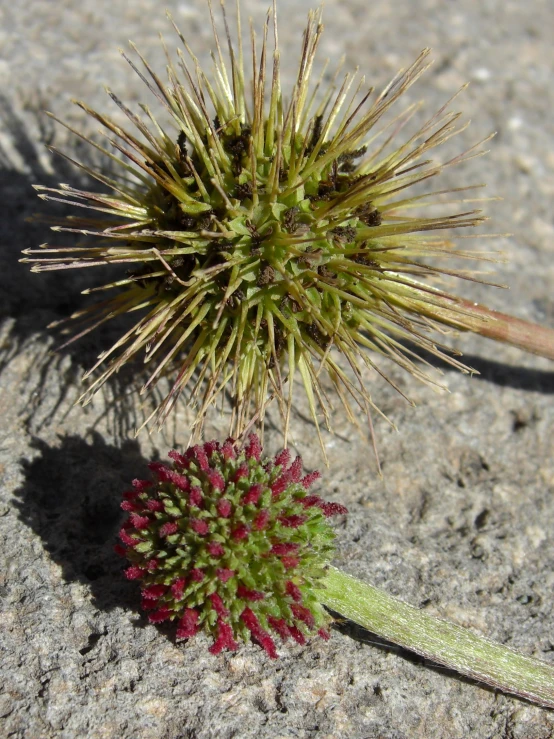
point(462, 523)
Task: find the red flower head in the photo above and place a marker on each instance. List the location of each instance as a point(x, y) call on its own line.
point(237, 542)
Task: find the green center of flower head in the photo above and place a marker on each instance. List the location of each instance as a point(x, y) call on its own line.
point(229, 544)
point(267, 235)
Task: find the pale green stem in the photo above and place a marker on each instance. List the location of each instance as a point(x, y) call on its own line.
point(442, 642)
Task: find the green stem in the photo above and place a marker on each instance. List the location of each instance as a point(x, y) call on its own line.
point(445, 643)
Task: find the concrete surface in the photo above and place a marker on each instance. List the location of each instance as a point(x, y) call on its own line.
point(462, 523)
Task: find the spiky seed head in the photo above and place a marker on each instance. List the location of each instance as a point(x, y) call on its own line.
point(267, 237)
point(230, 544)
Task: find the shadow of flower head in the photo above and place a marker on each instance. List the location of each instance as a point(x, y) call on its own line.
point(71, 498)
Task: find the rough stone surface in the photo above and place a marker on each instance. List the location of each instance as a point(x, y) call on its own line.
point(462, 522)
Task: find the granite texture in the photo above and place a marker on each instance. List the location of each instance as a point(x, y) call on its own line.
point(462, 522)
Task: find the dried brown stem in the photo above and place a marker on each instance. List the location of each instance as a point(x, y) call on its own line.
point(498, 326)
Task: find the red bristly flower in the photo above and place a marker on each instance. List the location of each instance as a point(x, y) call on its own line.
point(193, 534)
